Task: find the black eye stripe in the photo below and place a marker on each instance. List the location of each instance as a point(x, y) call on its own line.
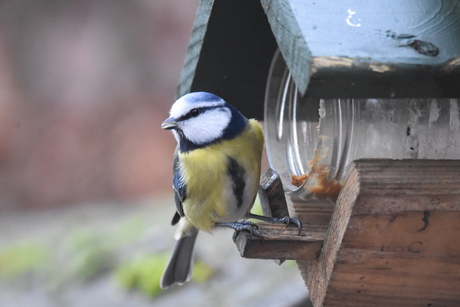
point(195, 112)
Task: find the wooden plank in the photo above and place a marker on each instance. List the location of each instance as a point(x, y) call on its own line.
point(330, 55)
point(311, 211)
point(393, 238)
point(272, 200)
point(421, 267)
point(282, 243)
point(194, 48)
point(307, 268)
point(290, 39)
point(271, 195)
point(339, 221)
point(316, 212)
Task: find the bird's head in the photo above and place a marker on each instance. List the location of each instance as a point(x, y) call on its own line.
point(199, 119)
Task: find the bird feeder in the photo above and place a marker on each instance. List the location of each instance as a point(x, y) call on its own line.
point(361, 108)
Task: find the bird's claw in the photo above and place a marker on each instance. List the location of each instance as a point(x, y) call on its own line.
point(249, 227)
point(248, 223)
point(292, 220)
point(285, 220)
point(246, 226)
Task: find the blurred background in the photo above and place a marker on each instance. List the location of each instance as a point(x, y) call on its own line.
point(85, 170)
point(84, 86)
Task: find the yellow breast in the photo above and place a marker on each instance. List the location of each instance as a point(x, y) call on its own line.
point(205, 172)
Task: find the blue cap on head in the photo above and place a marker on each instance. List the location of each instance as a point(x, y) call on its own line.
point(202, 96)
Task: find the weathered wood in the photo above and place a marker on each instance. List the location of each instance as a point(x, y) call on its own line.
point(271, 195)
point(194, 48)
point(317, 212)
point(307, 268)
point(311, 211)
point(291, 42)
point(393, 238)
point(338, 49)
point(272, 198)
point(282, 243)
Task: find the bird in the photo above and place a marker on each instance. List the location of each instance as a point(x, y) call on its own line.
point(216, 171)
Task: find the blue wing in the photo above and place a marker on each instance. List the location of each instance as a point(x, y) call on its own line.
point(179, 187)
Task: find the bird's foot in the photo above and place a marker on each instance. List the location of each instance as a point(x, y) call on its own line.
point(285, 220)
point(247, 226)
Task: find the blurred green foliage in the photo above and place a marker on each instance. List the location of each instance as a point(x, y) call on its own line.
point(256, 209)
point(83, 254)
point(23, 258)
point(144, 273)
point(201, 272)
point(89, 253)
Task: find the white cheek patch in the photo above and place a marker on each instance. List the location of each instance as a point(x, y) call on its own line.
point(207, 127)
point(176, 136)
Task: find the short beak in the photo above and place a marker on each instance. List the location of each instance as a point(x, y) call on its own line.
point(169, 124)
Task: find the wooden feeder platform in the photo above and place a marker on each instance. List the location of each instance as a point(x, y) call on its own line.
point(392, 239)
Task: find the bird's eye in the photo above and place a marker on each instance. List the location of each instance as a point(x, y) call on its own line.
point(194, 112)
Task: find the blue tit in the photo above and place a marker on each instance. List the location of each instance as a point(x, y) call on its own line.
point(216, 173)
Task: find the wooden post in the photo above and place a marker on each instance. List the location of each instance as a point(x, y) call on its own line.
point(394, 237)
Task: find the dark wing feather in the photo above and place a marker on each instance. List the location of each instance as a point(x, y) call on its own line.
point(175, 219)
point(179, 187)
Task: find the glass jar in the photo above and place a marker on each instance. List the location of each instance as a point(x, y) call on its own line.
point(312, 142)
